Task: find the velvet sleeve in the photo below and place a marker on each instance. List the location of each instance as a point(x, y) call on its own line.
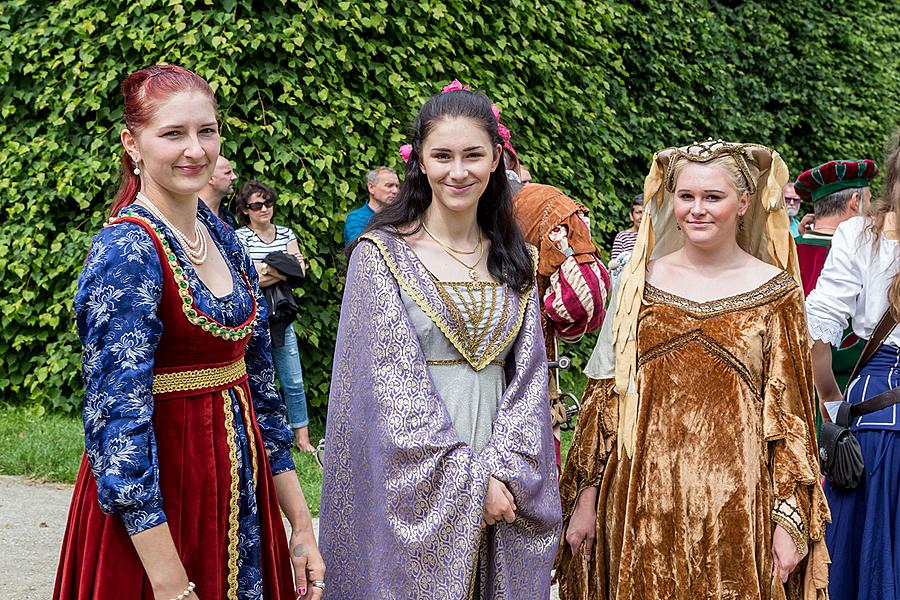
point(789, 428)
point(402, 496)
point(589, 454)
point(271, 413)
point(116, 303)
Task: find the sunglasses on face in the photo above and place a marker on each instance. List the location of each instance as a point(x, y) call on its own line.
point(255, 206)
point(789, 200)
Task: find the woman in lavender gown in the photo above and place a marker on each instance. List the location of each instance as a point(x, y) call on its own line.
point(440, 477)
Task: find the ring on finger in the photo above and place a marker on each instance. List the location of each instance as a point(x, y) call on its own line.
point(318, 584)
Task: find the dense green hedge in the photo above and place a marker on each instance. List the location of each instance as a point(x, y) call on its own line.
point(313, 93)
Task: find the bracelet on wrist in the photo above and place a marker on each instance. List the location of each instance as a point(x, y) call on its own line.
point(186, 593)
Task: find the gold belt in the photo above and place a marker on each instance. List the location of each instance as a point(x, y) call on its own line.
point(460, 361)
point(199, 379)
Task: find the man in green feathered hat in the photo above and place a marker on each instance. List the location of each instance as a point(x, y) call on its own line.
point(839, 190)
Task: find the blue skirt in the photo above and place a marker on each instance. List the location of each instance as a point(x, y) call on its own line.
point(865, 561)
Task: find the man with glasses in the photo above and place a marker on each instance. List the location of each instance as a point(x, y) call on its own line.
point(383, 185)
point(792, 207)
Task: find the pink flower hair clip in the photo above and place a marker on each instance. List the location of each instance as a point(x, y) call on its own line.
point(504, 132)
point(454, 86)
point(405, 151)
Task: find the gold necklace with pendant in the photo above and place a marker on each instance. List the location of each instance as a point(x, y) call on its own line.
point(472, 269)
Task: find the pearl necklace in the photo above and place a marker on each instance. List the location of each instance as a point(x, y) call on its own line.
point(196, 251)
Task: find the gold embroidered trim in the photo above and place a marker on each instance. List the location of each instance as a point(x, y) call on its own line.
point(248, 426)
point(233, 506)
point(188, 305)
point(761, 295)
point(461, 361)
point(445, 327)
point(198, 379)
point(477, 311)
point(477, 563)
point(711, 346)
point(789, 526)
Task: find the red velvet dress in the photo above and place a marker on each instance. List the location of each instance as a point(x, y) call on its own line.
point(201, 405)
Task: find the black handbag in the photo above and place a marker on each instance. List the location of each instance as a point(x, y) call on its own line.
point(840, 455)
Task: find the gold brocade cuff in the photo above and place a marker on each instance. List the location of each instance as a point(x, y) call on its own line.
point(787, 514)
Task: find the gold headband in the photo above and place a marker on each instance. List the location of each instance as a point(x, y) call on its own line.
point(702, 152)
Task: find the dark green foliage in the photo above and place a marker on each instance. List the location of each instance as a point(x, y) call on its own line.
point(312, 94)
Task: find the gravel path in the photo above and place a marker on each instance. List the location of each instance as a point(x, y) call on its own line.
point(32, 522)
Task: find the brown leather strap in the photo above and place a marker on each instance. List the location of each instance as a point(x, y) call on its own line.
point(876, 403)
point(885, 399)
point(885, 325)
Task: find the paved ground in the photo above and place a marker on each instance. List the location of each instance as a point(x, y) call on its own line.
point(32, 520)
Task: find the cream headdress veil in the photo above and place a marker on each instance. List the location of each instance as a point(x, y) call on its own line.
point(766, 235)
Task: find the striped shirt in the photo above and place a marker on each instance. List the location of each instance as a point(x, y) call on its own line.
point(258, 249)
point(624, 242)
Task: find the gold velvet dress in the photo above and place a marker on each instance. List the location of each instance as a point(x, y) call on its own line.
point(725, 430)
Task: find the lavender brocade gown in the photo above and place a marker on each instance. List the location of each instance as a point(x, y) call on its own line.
point(435, 388)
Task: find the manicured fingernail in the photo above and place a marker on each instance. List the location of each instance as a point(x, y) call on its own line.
point(302, 591)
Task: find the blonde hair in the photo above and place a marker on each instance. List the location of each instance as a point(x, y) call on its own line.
point(727, 163)
point(889, 202)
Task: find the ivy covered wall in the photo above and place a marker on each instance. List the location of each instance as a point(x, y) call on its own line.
point(312, 94)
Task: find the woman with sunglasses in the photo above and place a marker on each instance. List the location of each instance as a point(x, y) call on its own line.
point(260, 236)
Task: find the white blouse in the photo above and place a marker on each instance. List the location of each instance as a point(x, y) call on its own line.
point(853, 285)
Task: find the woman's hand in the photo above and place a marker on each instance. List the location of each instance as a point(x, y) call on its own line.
point(806, 223)
point(271, 275)
point(498, 503)
point(174, 592)
point(305, 557)
point(293, 248)
point(583, 523)
point(300, 260)
point(784, 553)
point(308, 564)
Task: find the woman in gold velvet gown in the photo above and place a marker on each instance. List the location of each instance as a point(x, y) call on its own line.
point(694, 471)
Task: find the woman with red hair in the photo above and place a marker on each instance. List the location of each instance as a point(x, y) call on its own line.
point(187, 448)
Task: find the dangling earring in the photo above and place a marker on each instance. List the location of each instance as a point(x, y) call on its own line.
point(136, 171)
point(678, 226)
point(741, 223)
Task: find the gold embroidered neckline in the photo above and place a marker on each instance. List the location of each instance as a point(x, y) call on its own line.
point(755, 297)
point(478, 360)
point(473, 315)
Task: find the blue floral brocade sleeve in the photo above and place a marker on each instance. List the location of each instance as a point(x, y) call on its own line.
point(119, 290)
point(271, 413)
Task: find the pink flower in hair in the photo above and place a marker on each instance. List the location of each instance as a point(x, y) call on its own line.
point(455, 85)
point(496, 112)
point(504, 132)
point(405, 151)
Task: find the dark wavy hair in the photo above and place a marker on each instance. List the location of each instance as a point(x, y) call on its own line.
point(242, 199)
point(509, 260)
